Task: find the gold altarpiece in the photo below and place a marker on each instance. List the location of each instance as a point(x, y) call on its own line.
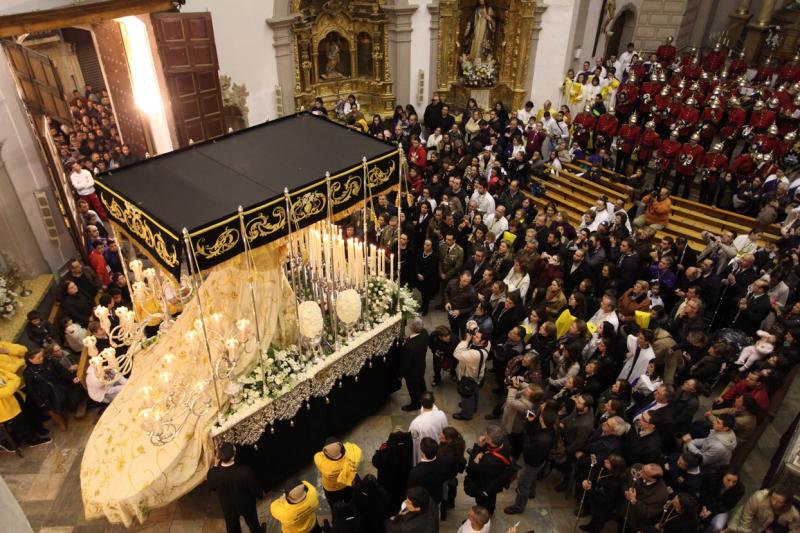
point(510, 46)
point(341, 48)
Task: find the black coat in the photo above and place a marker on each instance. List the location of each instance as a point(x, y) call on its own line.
point(412, 358)
point(749, 319)
point(538, 444)
point(490, 475)
point(627, 272)
point(431, 476)
point(393, 460)
point(643, 449)
point(573, 279)
point(237, 488)
point(424, 521)
point(47, 384)
point(77, 307)
point(685, 408)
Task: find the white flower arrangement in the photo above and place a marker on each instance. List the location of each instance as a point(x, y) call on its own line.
point(409, 306)
point(310, 319)
point(348, 306)
point(381, 292)
point(479, 73)
point(8, 298)
point(282, 369)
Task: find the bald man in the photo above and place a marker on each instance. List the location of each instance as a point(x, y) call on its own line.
point(646, 496)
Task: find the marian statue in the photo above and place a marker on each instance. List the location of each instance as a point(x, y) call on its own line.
point(480, 32)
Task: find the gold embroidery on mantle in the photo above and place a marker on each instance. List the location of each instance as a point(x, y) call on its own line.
point(261, 226)
point(376, 176)
point(136, 223)
point(342, 192)
point(225, 242)
point(308, 205)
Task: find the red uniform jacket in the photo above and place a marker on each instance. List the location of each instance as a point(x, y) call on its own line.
point(665, 54)
point(689, 115)
point(652, 88)
point(683, 165)
point(763, 74)
point(668, 152)
point(607, 126)
point(418, 156)
point(736, 68)
point(736, 117)
point(582, 126)
point(761, 120)
point(629, 133)
point(786, 121)
point(692, 71)
point(715, 163)
point(648, 143)
point(714, 60)
point(626, 98)
point(789, 72)
point(711, 119)
point(782, 148)
point(743, 166)
point(638, 70)
point(765, 143)
point(661, 109)
point(686, 59)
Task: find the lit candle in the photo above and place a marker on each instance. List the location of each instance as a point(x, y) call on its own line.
point(391, 267)
point(136, 266)
point(91, 345)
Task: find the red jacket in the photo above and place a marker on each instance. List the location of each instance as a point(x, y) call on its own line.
point(648, 143)
point(692, 71)
point(714, 60)
point(418, 156)
point(99, 265)
point(665, 54)
point(743, 166)
point(629, 133)
point(761, 120)
point(660, 105)
point(689, 115)
point(736, 118)
point(736, 68)
point(765, 143)
point(626, 98)
point(689, 157)
point(668, 152)
point(789, 72)
point(715, 163)
point(763, 74)
point(607, 125)
point(582, 125)
point(711, 119)
point(759, 394)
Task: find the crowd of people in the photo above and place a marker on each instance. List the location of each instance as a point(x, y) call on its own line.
point(601, 339)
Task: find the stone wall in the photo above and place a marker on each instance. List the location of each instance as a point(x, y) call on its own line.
point(659, 19)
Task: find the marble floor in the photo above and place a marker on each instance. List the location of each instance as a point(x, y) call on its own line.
point(46, 481)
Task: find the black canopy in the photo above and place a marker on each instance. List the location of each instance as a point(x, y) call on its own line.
point(200, 187)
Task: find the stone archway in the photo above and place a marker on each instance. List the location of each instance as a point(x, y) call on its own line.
point(622, 30)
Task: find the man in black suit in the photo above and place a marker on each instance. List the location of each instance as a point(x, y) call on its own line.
point(627, 265)
point(576, 271)
point(685, 256)
point(412, 363)
point(735, 279)
point(238, 491)
point(428, 473)
point(643, 442)
point(753, 308)
point(476, 265)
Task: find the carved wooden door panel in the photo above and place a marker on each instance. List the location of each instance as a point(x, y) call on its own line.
point(189, 56)
point(39, 82)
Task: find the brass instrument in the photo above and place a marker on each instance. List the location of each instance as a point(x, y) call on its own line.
point(748, 133)
point(685, 159)
point(619, 143)
point(679, 125)
point(646, 98)
point(704, 173)
point(635, 151)
point(600, 140)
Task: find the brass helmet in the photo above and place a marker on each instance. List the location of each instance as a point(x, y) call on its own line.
point(714, 103)
point(670, 39)
point(795, 88)
point(696, 60)
point(717, 147)
point(691, 101)
point(796, 58)
point(694, 86)
point(673, 134)
point(759, 105)
point(796, 100)
point(715, 78)
point(781, 87)
point(790, 136)
point(649, 125)
point(632, 78)
point(654, 76)
point(773, 129)
point(704, 75)
point(695, 136)
point(774, 102)
point(734, 102)
point(724, 73)
point(587, 108)
point(633, 119)
point(610, 111)
point(717, 90)
point(665, 90)
point(682, 84)
point(759, 156)
point(767, 158)
point(717, 46)
point(743, 83)
point(693, 50)
point(662, 76)
point(741, 55)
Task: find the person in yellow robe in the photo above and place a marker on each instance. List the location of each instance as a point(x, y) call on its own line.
point(338, 465)
point(296, 510)
point(12, 356)
point(22, 424)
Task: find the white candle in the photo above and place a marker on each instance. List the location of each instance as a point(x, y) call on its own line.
point(391, 267)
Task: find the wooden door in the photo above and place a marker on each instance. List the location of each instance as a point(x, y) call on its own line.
point(189, 56)
point(38, 81)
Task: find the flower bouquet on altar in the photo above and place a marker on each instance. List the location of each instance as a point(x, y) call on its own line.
point(8, 298)
point(479, 73)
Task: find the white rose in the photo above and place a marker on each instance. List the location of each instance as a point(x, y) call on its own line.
point(348, 306)
point(310, 319)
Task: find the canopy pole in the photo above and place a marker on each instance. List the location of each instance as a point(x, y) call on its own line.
point(195, 269)
point(401, 180)
point(248, 258)
point(332, 292)
point(291, 262)
point(122, 260)
point(366, 244)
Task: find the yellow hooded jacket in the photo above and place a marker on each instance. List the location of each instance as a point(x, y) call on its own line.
point(339, 474)
point(297, 517)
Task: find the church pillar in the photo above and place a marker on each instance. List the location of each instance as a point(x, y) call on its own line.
point(399, 28)
point(537, 28)
point(756, 29)
point(738, 19)
point(433, 73)
point(283, 42)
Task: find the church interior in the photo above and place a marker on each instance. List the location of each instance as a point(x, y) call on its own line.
point(386, 266)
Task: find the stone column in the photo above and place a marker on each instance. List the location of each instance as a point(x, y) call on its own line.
point(283, 42)
point(537, 27)
point(433, 73)
point(399, 30)
point(756, 30)
point(738, 19)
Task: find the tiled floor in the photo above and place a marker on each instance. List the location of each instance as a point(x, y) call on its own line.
point(46, 481)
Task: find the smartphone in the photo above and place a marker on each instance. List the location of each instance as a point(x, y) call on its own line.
point(531, 414)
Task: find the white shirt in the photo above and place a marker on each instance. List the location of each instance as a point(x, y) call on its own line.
point(427, 424)
point(83, 182)
point(601, 316)
point(524, 116)
point(485, 201)
point(466, 527)
point(640, 368)
point(515, 281)
point(495, 226)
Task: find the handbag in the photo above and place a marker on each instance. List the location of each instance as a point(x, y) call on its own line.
point(467, 387)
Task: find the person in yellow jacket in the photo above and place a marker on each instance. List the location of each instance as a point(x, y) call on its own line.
point(338, 466)
point(12, 356)
point(24, 426)
point(296, 510)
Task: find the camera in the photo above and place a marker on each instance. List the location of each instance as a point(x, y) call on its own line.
point(472, 327)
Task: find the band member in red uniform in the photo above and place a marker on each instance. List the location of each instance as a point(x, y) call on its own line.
point(711, 118)
point(687, 118)
point(765, 72)
point(662, 111)
point(743, 166)
point(650, 90)
point(788, 116)
point(666, 53)
point(665, 157)
point(637, 69)
point(693, 70)
point(648, 144)
point(733, 125)
point(711, 169)
point(785, 145)
point(789, 71)
point(737, 67)
point(761, 118)
point(582, 127)
point(715, 59)
point(628, 135)
point(627, 95)
point(605, 129)
point(689, 157)
point(766, 143)
point(688, 57)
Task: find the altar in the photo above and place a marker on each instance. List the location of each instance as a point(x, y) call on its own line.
point(274, 328)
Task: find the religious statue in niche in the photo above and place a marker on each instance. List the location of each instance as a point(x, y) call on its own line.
point(611, 10)
point(478, 65)
point(334, 57)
